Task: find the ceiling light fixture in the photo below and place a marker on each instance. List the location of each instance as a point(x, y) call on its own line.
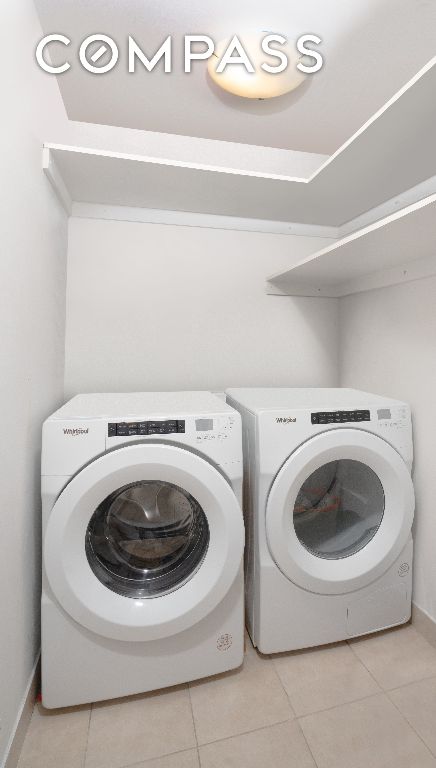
point(256, 67)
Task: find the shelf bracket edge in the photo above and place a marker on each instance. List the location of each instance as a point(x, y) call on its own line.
point(54, 176)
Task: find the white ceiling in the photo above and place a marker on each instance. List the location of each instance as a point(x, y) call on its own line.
point(371, 49)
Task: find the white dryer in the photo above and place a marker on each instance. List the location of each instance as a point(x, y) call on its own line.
point(143, 540)
point(329, 506)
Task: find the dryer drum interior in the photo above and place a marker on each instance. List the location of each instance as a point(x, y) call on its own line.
point(339, 509)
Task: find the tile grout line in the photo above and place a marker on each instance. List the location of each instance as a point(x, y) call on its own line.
point(327, 709)
point(396, 687)
point(295, 714)
point(141, 763)
point(315, 762)
point(338, 706)
point(334, 706)
point(282, 686)
point(412, 682)
point(408, 721)
point(243, 733)
point(388, 691)
point(350, 645)
point(251, 730)
point(381, 691)
point(85, 754)
point(194, 725)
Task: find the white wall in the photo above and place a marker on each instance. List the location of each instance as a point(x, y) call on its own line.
point(32, 309)
point(164, 307)
point(388, 347)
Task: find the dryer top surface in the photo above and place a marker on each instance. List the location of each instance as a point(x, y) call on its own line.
point(257, 399)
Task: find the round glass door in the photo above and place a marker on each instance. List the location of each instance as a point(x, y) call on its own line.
point(338, 509)
point(144, 521)
point(147, 539)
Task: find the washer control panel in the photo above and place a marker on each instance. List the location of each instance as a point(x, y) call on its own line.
point(392, 418)
point(129, 428)
point(339, 417)
point(209, 430)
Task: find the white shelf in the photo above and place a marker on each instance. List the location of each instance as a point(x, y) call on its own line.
point(393, 152)
point(397, 249)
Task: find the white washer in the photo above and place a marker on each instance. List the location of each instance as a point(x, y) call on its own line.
point(143, 544)
point(329, 506)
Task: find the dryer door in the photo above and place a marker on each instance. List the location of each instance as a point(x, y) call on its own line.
point(339, 511)
point(144, 542)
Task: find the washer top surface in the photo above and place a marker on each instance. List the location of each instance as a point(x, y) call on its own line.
point(118, 405)
point(258, 399)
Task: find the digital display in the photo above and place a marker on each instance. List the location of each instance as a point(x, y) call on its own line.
point(384, 413)
point(203, 425)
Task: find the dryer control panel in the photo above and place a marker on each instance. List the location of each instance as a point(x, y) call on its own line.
point(339, 417)
point(129, 428)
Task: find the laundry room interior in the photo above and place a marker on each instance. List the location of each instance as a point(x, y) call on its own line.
point(167, 241)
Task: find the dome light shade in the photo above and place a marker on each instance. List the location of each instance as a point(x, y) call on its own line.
point(259, 84)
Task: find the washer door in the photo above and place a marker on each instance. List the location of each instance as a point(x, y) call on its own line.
point(339, 511)
point(144, 542)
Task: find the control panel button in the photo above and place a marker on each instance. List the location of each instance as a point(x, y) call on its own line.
point(339, 417)
point(131, 428)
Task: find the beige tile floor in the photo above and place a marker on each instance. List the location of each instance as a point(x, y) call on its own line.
point(369, 703)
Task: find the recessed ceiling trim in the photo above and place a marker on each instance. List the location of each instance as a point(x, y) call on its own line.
point(202, 220)
point(174, 163)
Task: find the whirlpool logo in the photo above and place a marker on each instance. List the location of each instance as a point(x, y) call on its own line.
point(75, 431)
point(286, 420)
